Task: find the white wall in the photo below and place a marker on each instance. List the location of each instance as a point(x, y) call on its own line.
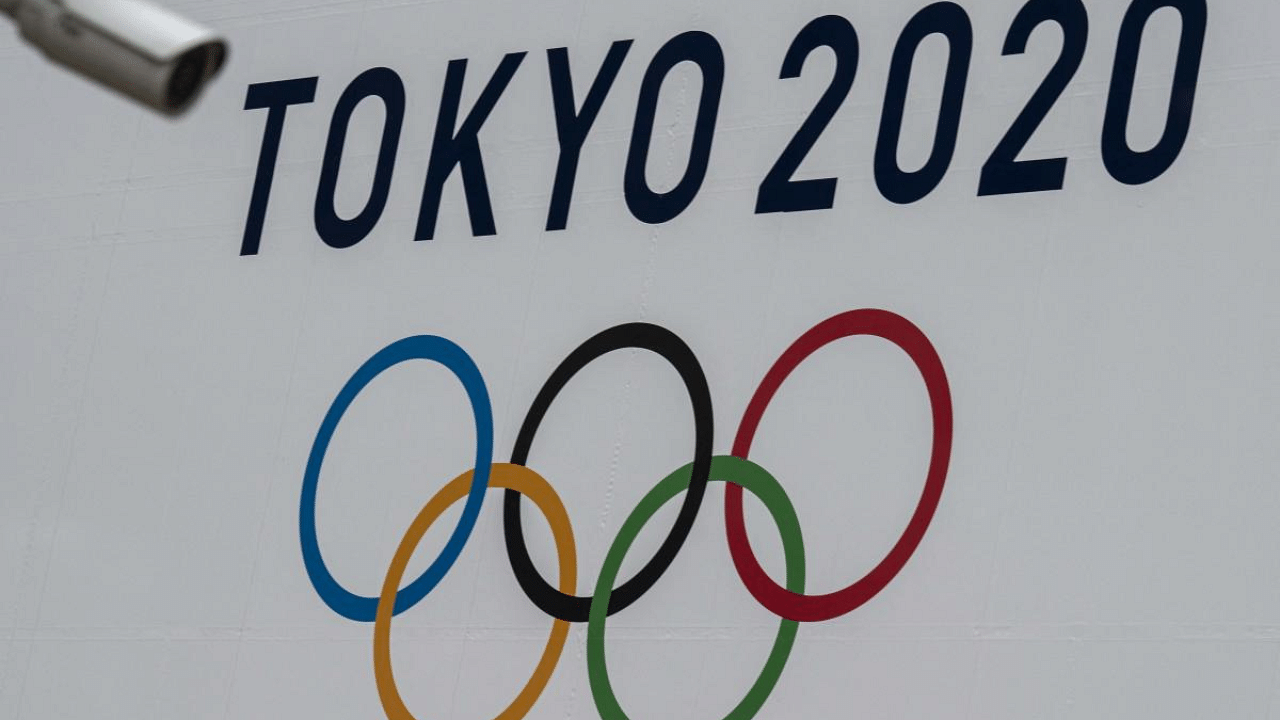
point(1106, 543)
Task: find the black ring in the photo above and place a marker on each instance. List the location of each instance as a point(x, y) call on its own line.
point(644, 336)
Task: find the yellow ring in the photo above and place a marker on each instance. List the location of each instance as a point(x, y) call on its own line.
point(511, 477)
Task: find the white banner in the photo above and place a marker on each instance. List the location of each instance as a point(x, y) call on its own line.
point(735, 359)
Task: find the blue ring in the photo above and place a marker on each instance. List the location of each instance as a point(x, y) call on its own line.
point(422, 347)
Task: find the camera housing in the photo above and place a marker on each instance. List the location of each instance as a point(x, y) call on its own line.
point(138, 48)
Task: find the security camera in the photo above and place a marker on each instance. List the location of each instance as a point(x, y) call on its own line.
point(143, 50)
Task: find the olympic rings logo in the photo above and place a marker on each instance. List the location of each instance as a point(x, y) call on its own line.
point(788, 602)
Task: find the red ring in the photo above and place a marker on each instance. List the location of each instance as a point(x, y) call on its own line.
point(814, 608)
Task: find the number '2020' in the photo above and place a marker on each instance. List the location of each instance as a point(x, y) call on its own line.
point(1003, 173)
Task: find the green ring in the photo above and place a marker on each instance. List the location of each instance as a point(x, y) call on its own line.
point(724, 468)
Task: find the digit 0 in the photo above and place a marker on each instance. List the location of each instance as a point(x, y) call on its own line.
point(1122, 161)
point(950, 21)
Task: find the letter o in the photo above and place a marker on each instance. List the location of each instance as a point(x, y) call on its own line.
point(704, 51)
point(335, 231)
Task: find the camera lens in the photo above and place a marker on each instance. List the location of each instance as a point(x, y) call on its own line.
point(187, 77)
